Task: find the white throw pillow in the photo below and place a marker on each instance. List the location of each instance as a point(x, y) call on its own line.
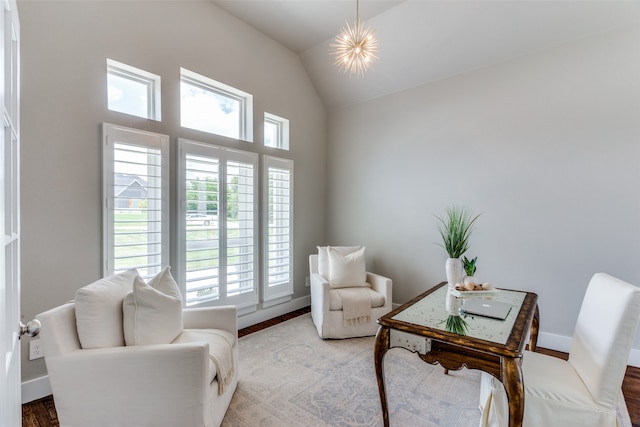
point(99, 310)
point(347, 270)
point(152, 312)
point(323, 257)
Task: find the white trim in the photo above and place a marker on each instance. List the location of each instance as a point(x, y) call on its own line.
point(35, 389)
point(275, 301)
point(272, 312)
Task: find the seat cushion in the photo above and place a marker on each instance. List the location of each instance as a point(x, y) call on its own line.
point(335, 302)
point(152, 312)
point(220, 348)
point(554, 395)
point(99, 310)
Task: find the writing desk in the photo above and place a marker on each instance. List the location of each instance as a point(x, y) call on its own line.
point(493, 346)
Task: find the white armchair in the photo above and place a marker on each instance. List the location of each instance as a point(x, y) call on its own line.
point(583, 391)
point(170, 385)
point(327, 305)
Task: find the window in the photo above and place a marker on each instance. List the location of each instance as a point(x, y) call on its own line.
point(136, 200)
point(213, 107)
point(217, 225)
point(279, 229)
point(133, 91)
point(276, 131)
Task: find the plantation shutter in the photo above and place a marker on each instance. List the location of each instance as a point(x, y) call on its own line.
point(279, 230)
point(218, 257)
point(135, 186)
point(241, 241)
point(202, 237)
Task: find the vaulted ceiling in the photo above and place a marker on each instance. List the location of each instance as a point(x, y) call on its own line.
point(425, 40)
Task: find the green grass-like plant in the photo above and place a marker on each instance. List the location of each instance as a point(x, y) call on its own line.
point(455, 229)
point(456, 324)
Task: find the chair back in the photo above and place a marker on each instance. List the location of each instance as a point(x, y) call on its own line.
point(604, 333)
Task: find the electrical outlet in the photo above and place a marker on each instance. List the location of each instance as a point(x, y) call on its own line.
point(307, 283)
point(35, 349)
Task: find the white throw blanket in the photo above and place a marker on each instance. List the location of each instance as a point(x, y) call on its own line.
point(221, 354)
point(220, 351)
point(356, 305)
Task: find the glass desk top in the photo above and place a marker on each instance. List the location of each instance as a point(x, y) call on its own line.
point(431, 312)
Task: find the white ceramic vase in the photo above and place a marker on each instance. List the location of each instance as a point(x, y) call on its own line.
point(453, 304)
point(455, 271)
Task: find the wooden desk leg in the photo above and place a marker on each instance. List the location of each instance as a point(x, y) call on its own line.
point(380, 348)
point(535, 325)
point(513, 385)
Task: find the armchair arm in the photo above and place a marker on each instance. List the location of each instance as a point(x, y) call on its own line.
point(382, 285)
point(223, 317)
point(319, 293)
point(59, 334)
point(98, 380)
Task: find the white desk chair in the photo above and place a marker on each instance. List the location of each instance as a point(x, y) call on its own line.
point(583, 391)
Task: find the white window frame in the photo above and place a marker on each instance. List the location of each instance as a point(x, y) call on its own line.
point(114, 134)
point(152, 82)
point(246, 301)
point(277, 290)
point(282, 125)
point(245, 126)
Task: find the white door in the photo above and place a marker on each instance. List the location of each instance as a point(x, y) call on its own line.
point(10, 399)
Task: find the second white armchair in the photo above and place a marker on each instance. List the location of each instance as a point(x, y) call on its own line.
point(336, 307)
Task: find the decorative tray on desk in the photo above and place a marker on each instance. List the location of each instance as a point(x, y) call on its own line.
point(477, 293)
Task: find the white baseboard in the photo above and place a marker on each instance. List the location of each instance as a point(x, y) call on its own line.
point(268, 313)
point(35, 389)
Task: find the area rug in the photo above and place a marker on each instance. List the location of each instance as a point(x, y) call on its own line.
point(291, 377)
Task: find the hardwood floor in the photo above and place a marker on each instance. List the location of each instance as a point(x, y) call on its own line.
point(42, 412)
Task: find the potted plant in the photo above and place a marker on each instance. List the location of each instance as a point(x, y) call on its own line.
point(455, 229)
point(469, 266)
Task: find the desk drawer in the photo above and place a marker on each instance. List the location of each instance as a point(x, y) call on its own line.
point(411, 342)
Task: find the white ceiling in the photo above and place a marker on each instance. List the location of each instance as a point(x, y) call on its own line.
point(425, 40)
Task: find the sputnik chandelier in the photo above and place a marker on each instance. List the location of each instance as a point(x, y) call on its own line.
point(355, 48)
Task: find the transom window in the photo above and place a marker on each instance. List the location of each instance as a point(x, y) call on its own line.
point(214, 107)
point(276, 131)
point(133, 91)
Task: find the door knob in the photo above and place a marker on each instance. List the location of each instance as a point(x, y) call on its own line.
point(32, 328)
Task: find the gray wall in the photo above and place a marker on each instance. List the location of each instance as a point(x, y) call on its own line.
point(64, 49)
point(545, 146)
